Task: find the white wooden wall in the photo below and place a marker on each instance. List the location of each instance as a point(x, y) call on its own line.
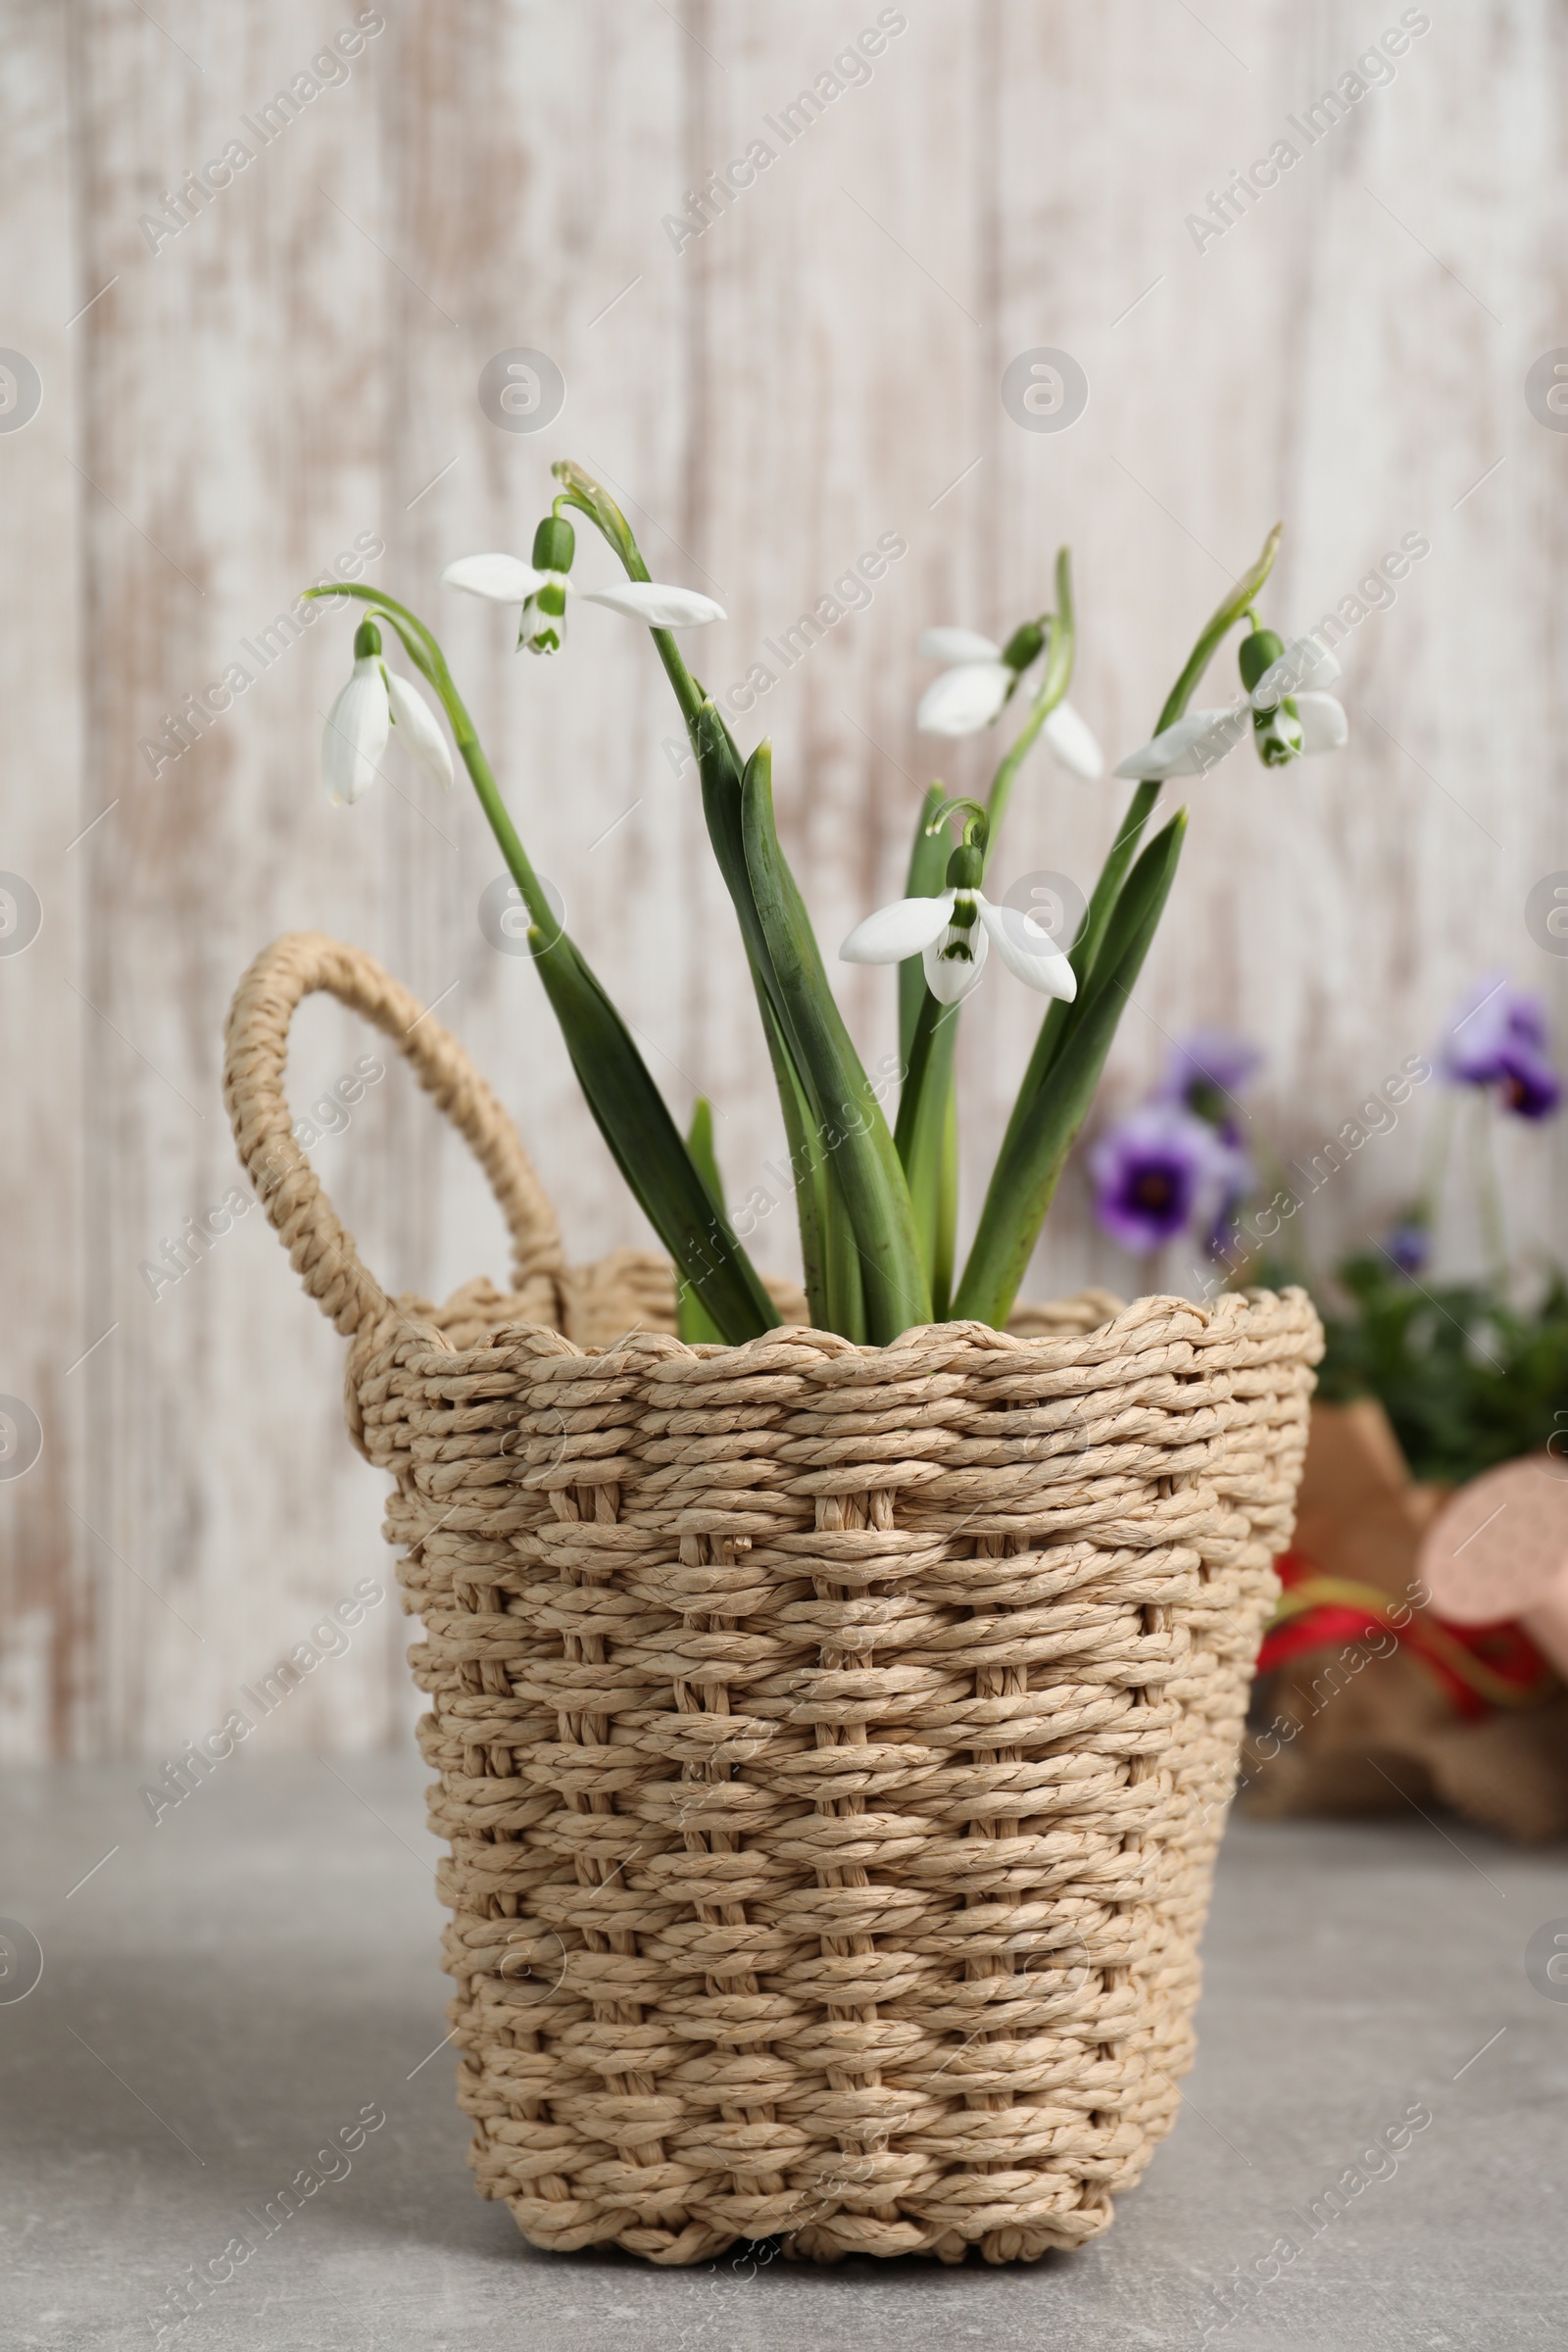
point(299, 365)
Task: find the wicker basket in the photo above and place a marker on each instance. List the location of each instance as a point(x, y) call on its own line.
point(833, 1740)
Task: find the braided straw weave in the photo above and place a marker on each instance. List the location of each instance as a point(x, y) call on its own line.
point(833, 1740)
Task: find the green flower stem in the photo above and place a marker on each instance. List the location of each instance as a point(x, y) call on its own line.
point(1054, 682)
point(926, 1136)
point(426, 655)
point(944, 1255)
point(1489, 1194)
point(927, 1131)
point(592, 499)
point(927, 1145)
point(630, 1110)
point(1237, 607)
point(928, 863)
point(1435, 1159)
point(1060, 1018)
point(1291, 1245)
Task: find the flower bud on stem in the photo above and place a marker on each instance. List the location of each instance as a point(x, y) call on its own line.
point(426, 656)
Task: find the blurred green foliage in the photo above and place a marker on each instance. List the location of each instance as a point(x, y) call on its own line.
point(1467, 1379)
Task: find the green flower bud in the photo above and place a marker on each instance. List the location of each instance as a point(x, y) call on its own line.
point(1256, 654)
point(1023, 645)
point(367, 641)
point(965, 870)
point(555, 543)
point(1276, 733)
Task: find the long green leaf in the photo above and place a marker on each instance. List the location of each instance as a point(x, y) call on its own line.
point(634, 1120)
point(807, 1173)
point(1029, 1166)
point(852, 1128)
point(829, 1261)
point(719, 772)
point(693, 1321)
point(845, 1281)
point(828, 1256)
point(926, 1141)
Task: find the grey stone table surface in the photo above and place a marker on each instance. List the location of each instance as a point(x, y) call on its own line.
point(225, 1991)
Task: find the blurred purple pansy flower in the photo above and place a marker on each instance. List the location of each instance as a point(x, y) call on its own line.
point(1409, 1245)
point(1497, 1037)
point(1161, 1170)
point(1206, 1070)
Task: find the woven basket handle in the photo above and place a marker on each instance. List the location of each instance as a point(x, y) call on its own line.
point(322, 1252)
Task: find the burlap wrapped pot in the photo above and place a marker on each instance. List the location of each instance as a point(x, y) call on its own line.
point(833, 1740)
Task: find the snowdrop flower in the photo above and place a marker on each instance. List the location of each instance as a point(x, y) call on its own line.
point(978, 680)
point(542, 588)
point(375, 700)
point(952, 932)
point(1290, 715)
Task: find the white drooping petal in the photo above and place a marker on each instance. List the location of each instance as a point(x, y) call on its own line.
point(1029, 956)
point(417, 728)
point(1072, 740)
point(1324, 725)
point(1190, 746)
point(1319, 672)
point(504, 580)
point(951, 978)
point(896, 931)
point(956, 645)
point(963, 700)
point(1305, 667)
point(354, 735)
point(655, 605)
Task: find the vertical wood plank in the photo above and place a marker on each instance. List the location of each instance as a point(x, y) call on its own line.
point(50, 1579)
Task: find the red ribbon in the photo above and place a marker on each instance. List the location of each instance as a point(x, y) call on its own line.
point(1477, 1667)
